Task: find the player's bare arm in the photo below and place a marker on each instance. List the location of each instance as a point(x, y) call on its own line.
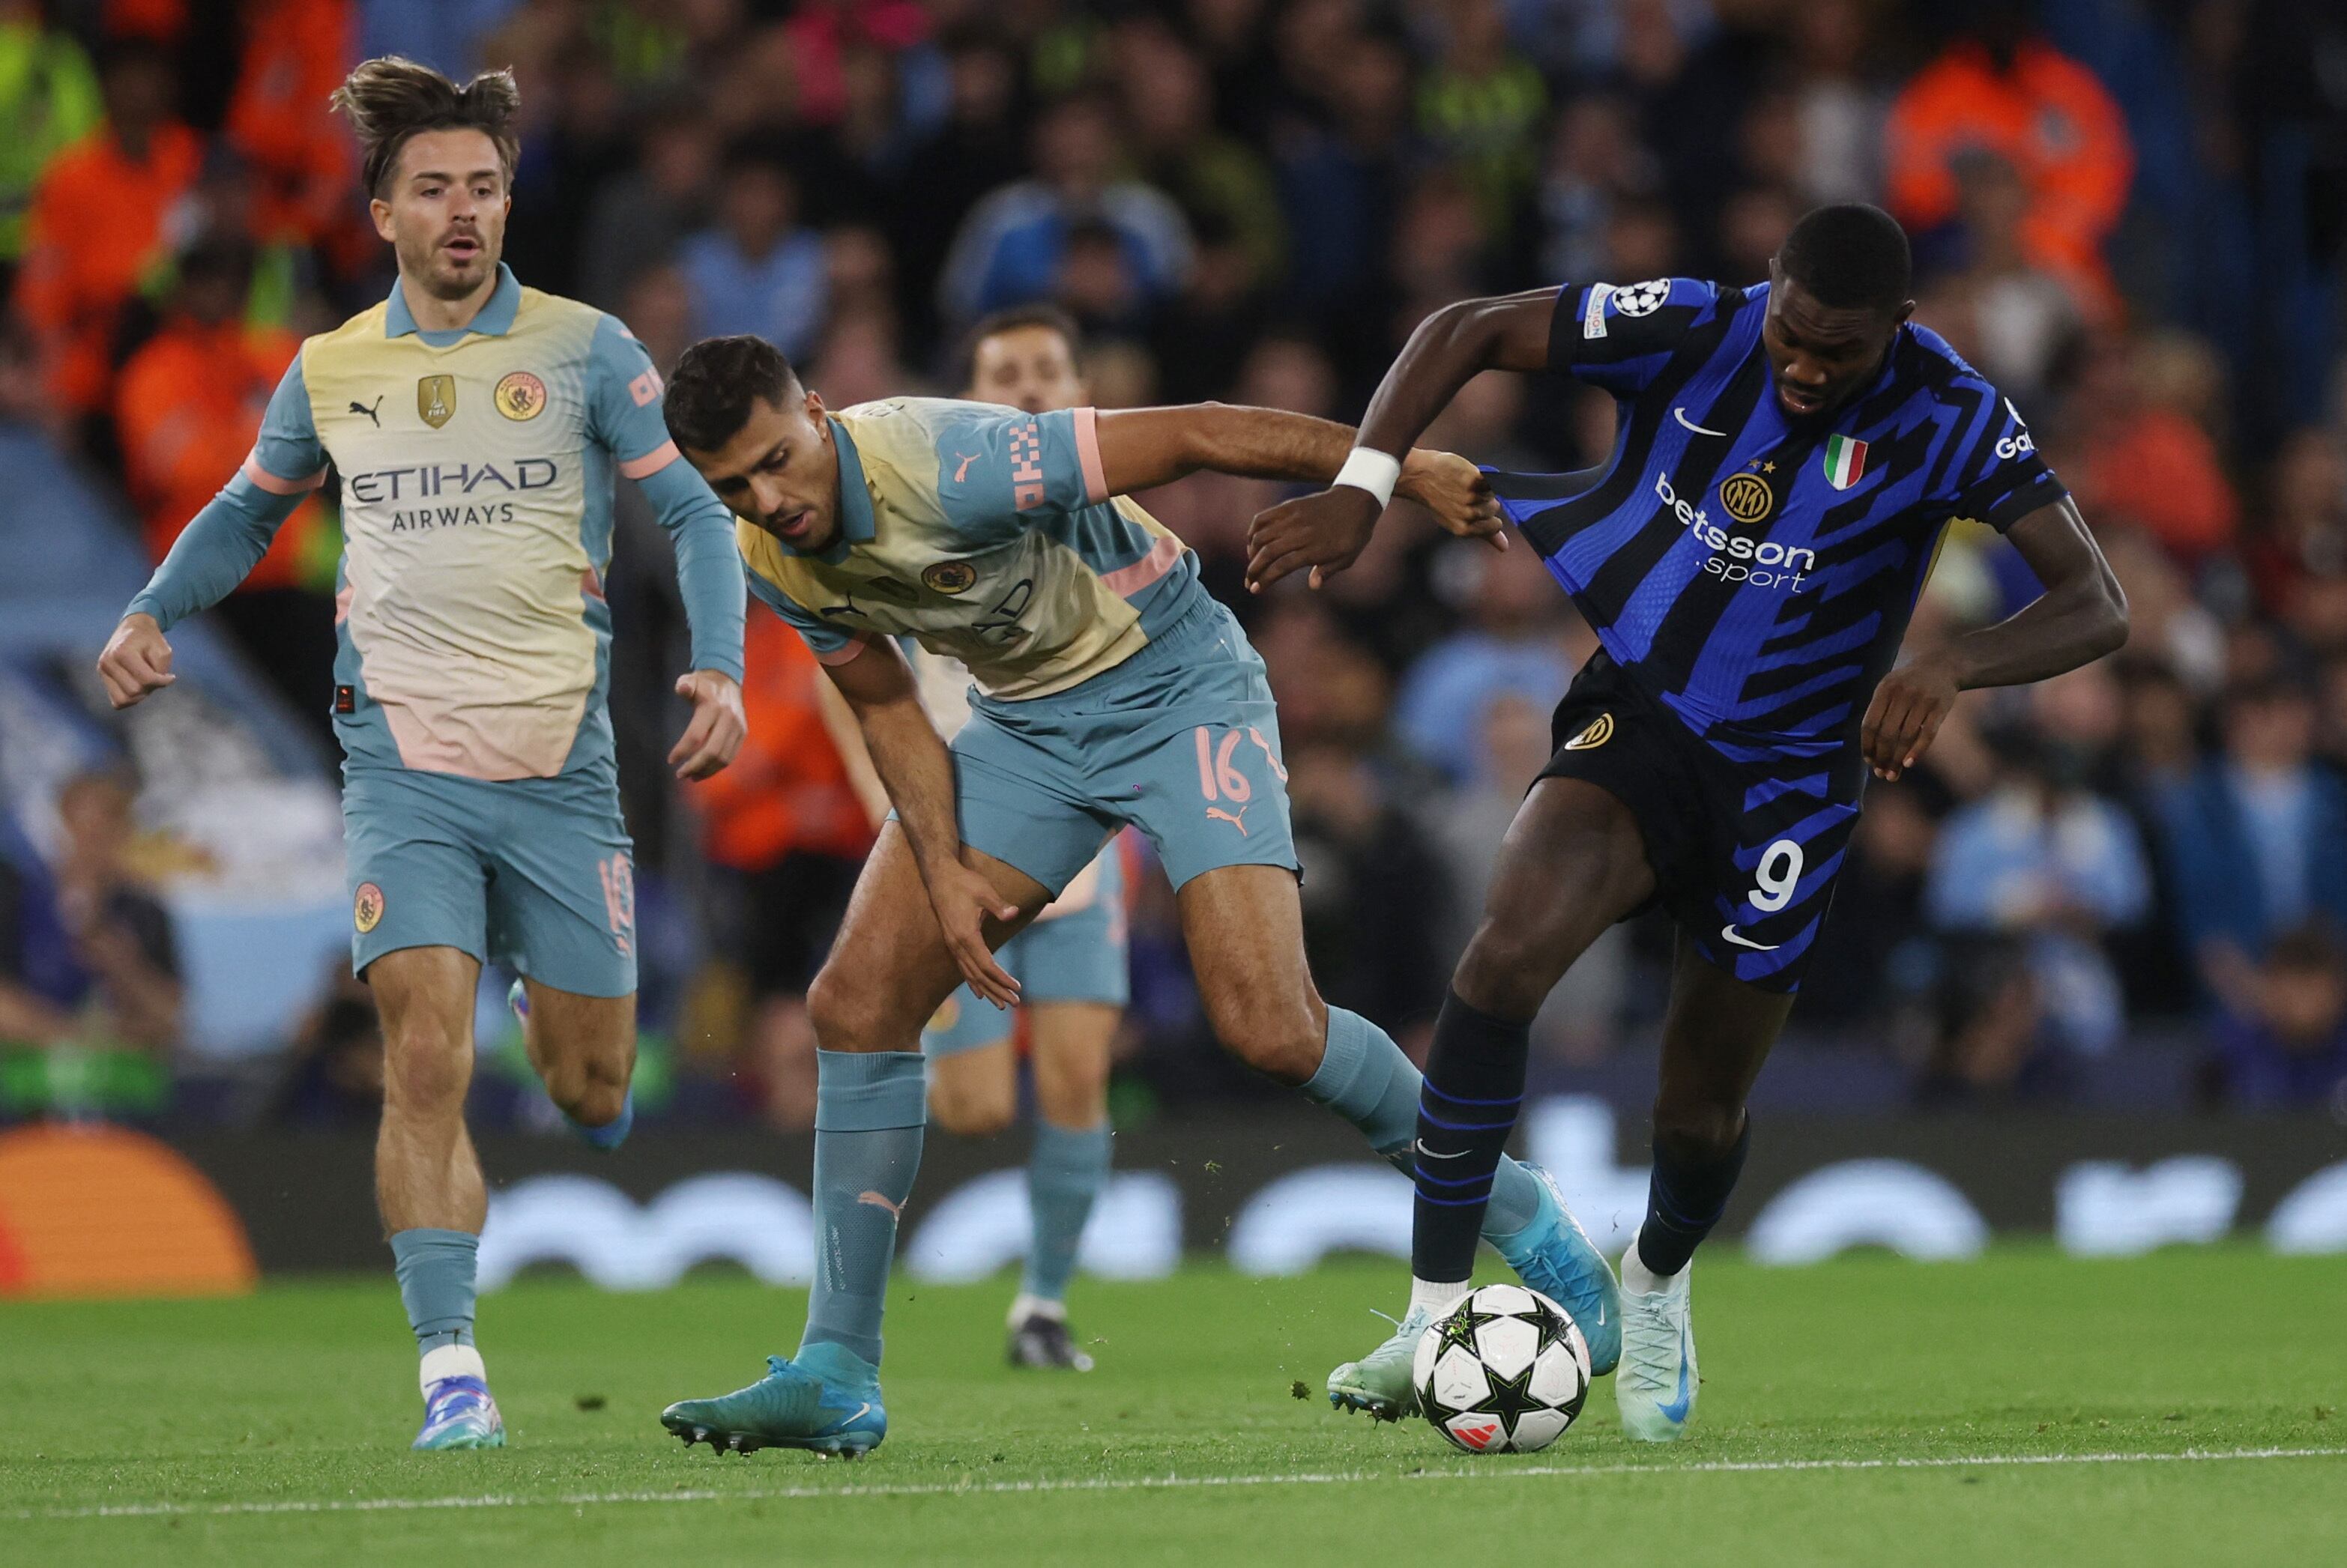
point(918, 771)
point(137, 660)
point(1144, 447)
point(2080, 617)
point(1326, 532)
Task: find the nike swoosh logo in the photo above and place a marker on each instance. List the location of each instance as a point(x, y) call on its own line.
point(1680, 414)
point(1675, 1411)
point(1729, 933)
point(1430, 1154)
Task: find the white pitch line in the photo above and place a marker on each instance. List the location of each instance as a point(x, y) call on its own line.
point(1146, 1483)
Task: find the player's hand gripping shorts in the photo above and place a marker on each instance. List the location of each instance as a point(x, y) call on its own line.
point(1745, 844)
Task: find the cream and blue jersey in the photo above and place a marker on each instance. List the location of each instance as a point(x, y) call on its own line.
point(988, 535)
point(475, 471)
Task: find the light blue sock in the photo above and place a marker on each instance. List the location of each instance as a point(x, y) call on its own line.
point(1365, 1078)
point(435, 1271)
point(1065, 1173)
point(612, 1134)
point(869, 1110)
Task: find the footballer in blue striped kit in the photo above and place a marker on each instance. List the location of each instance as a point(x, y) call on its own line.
point(1787, 459)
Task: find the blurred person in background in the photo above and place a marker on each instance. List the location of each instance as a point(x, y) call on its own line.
point(1014, 246)
point(2256, 842)
point(1514, 643)
point(785, 829)
point(2042, 860)
point(1479, 108)
point(199, 388)
point(332, 1078)
point(2147, 462)
point(1376, 897)
point(2006, 312)
point(296, 54)
point(97, 223)
point(757, 268)
point(2300, 536)
point(90, 993)
point(2282, 1043)
point(2001, 88)
point(48, 101)
point(640, 217)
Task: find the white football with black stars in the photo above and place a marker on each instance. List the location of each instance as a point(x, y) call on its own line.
point(1504, 1372)
point(1642, 299)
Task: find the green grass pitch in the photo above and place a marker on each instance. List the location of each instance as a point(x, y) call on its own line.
point(2024, 1409)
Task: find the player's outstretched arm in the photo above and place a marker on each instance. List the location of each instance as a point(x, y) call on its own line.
point(213, 554)
point(1327, 532)
point(2081, 616)
point(918, 771)
point(1141, 449)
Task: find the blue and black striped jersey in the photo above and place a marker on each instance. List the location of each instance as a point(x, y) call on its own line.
point(1752, 571)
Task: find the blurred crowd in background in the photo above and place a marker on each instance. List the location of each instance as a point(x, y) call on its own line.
point(2125, 885)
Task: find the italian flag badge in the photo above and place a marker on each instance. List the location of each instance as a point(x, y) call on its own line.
point(1845, 461)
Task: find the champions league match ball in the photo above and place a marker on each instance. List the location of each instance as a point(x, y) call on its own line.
point(1505, 1372)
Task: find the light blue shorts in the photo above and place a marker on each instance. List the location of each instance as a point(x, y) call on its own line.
point(1181, 740)
point(535, 873)
point(1076, 955)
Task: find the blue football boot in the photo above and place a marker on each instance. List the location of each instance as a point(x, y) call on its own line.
point(827, 1402)
point(1555, 1256)
point(458, 1413)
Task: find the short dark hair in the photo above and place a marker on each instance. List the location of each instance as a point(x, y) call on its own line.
point(390, 99)
point(1018, 318)
point(1850, 257)
point(715, 382)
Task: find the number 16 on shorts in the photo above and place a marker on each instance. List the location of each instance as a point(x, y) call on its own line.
point(1221, 782)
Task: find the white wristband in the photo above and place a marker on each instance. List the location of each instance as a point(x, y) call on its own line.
point(1367, 468)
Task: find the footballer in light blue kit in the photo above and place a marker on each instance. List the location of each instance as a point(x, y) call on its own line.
point(1071, 964)
point(1112, 691)
point(477, 426)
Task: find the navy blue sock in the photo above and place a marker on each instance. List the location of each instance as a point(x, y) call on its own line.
point(1465, 1109)
point(1685, 1199)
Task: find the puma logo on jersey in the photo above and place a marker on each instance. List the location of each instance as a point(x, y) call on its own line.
point(374, 414)
point(880, 1201)
point(1216, 814)
point(967, 459)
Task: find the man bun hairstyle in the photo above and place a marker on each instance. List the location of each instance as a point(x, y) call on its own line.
point(715, 383)
point(390, 99)
point(1850, 257)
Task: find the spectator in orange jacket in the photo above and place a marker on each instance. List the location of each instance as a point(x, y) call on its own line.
point(95, 233)
point(2000, 89)
point(296, 53)
point(187, 408)
point(2147, 461)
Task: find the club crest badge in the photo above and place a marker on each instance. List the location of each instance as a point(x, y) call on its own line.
point(521, 395)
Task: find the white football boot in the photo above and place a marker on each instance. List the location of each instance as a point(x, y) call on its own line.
point(1656, 1385)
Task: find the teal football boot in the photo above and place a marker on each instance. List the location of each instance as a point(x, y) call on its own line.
point(1555, 1256)
point(1381, 1381)
point(827, 1402)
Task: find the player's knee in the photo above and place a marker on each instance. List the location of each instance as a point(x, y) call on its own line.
point(844, 1014)
point(427, 1066)
point(1697, 1130)
point(1281, 1042)
point(971, 1114)
point(1506, 971)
